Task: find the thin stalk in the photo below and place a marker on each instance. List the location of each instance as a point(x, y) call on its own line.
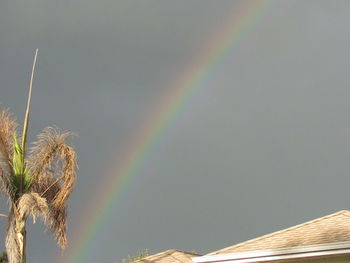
point(47, 189)
point(26, 120)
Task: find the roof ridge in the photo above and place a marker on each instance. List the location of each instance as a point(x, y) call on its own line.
point(345, 212)
point(286, 229)
point(168, 252)
point(182, 251)
point(171, 252)
point(154, 255)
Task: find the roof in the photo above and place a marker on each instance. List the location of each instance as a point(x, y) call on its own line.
point(328, 251)
point(169, 256)
point(329, 229)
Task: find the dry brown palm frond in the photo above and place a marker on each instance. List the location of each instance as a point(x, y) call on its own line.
point(46, 151)
point(32, 204)
point(53, 166)
point(58, 206)
point(58, 225)
point(51, 155)
point(68, 155)
point(48, 187)
point(56, 222)
point(63, 188)
point(7, 130)
point(5, 184)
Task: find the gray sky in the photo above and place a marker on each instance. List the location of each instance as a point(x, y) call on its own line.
point(262, 146)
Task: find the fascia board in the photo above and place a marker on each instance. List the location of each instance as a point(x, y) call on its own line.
point(278, 254)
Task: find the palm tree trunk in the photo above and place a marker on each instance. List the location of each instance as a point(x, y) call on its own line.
point(16, 239)
point(21, 238)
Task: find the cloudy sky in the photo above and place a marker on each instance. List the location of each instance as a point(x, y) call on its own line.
point(263, 143)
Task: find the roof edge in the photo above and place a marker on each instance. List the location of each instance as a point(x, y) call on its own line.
point(329, 249)
point(221, 251)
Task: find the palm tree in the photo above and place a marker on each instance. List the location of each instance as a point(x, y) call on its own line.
point(37, 183)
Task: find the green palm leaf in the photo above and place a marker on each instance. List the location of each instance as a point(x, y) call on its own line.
point(22, 180)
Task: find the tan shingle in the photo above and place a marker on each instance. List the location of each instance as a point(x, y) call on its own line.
point(169, 256)
point(328, 229)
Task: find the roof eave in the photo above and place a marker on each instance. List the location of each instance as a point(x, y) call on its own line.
point(330, 249)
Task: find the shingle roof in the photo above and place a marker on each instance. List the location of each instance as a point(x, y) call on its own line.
point(169, 256)
point(328, 229)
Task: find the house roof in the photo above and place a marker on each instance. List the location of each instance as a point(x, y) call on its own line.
point(169, 256)
point(339, 250)
point(328, 229)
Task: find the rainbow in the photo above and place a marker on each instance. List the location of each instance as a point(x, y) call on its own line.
point(182, 90)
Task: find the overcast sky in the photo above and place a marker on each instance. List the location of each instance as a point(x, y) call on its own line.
point(263, 145)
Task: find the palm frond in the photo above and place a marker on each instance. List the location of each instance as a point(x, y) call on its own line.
point(46, 152)
point(53, 168)
point(7, 129)
point(21, 180)
point(6, 185)
point(58, 224)
point(32, 204)
point(68, 155)
point(59, 203)
point(49, 187)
